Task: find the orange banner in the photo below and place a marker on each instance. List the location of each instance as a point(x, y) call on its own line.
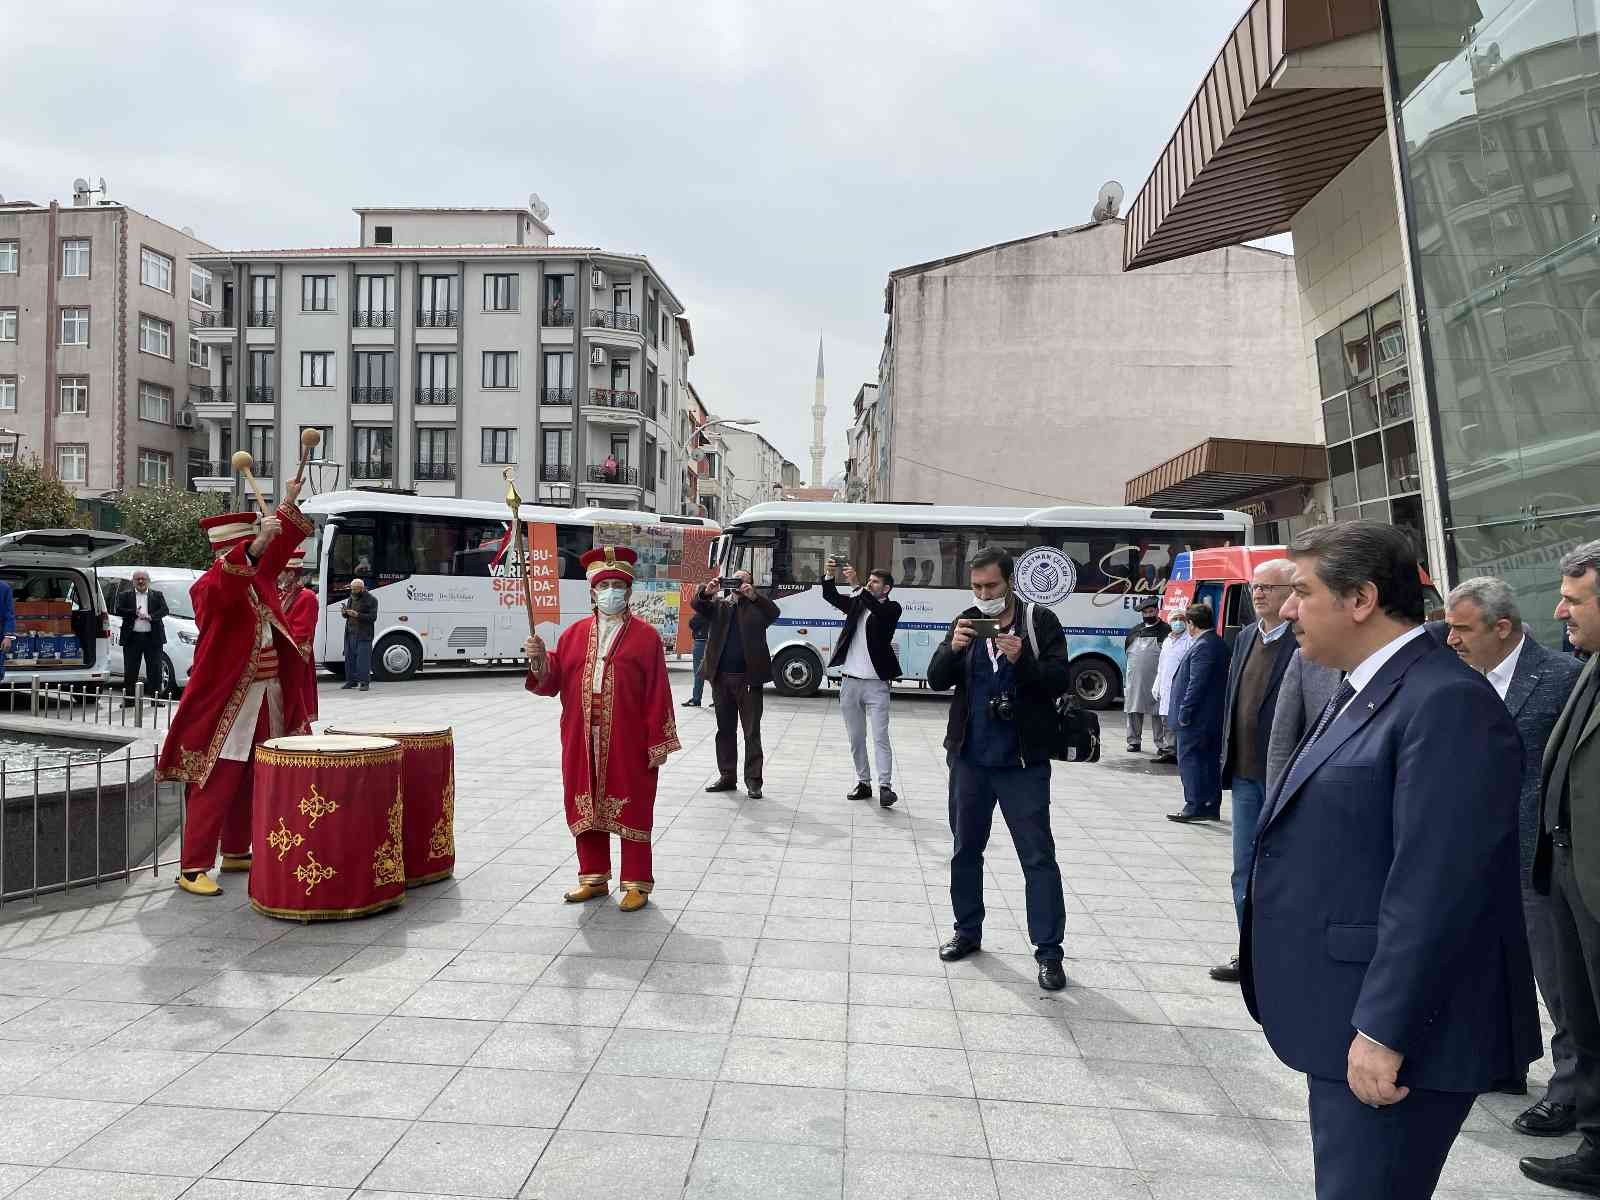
point(544, 575)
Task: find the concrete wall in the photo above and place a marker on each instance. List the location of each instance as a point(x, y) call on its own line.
point(454, 229)
point(1043, 365)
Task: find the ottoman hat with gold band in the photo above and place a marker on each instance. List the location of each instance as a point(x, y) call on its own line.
point(606, 564)
point(225, 529)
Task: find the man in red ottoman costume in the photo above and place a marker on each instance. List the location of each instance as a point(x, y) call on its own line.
point(234, 699)
point(617, 727)
point(300, 609)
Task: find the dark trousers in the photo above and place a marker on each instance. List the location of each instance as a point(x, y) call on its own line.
point(1577, 954)
point(1200, 767)
point(357, 659)
point(140, 650)
point(1562, 1088)
point(738, 706)
point(1391, 1153)
point(1023, 794)
point(699, 681)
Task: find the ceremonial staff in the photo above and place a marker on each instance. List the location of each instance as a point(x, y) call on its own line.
point(310, 439)
point(242, 462)
point(519, 542)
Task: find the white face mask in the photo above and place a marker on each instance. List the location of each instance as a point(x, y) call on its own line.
point(611, 600)
point(993, 606)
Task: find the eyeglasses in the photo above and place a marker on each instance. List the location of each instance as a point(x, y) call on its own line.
point(1268, 587)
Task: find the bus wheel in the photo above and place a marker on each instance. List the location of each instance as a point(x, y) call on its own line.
point(396, 658)
point(797, 672)
point(1095, 682)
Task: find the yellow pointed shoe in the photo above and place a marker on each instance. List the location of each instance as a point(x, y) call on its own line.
point(632, 900)
point(236, 862)
point(200, 885)
point(586, 891)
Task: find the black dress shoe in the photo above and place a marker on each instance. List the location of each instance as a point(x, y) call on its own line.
point(349, 687)
point(1164, 756)
point(722, 785)
point(1133, 748)
point(862, 791)
point(886, 797)
point(958, 948)
point(1576, 1172)
point(1546, 1119)
point(754, 793)
point(691, 704)
point(1051, 977)
point(1184, 817)
point(1227, 972)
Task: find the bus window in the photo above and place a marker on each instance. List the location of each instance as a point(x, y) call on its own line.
point(803, 551)
point(436, 544)
point(933, 556)
point(572, 543)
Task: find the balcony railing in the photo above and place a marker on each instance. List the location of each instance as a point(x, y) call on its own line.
point(262, 468)
point(557, 395)
point(201, 395)
point(201, 469)
point(434, 470)
point(437, 318)
point(260, 395)
point(217, 319)
point(431, 395)
point(555, 473)
point(599, 473)
point(371, 470)
point(372, 318)
point(371, 395)
point(613, 398)
point(263, 318)
point(554, 316)
point(613, 318)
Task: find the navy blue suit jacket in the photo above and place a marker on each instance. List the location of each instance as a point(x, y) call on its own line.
point(1199, 686)
point(1384, 894)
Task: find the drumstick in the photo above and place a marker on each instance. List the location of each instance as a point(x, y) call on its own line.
point(519, 540)
point(310, 439)
point(242, 461)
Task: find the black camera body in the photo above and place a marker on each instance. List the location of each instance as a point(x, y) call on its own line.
point(1003, 707)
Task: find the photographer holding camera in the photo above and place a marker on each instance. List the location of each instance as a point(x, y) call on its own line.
point(868, 665)
point(737, 666)
point(998, 748)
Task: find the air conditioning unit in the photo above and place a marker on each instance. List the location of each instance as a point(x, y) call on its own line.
point(186, 419)
point(597, 279)
point(597, 356)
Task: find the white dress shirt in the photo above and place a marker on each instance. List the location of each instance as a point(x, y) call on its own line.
point(605, 640)
point(141, 608)
point(1500, 676)
point(858, 659)
point(1268, 636)
point(1373, 663)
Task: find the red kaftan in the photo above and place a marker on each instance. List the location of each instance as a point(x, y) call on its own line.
point(300, 607)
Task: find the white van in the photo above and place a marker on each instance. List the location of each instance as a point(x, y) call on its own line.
point(182, 633)
point(56, 570)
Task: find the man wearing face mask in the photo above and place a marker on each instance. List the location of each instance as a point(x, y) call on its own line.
point(617, 727)
point(1007, 673)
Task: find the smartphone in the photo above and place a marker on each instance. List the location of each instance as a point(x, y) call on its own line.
point(731, 583)
point(983, 627)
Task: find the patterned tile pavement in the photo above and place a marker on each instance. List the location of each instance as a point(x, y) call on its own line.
point(776, 1022)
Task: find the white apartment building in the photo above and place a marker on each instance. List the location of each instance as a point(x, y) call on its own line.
point(757, 468)
point(449, 344)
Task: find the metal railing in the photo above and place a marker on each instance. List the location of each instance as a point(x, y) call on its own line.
point(263, 318)
point(555, 473)
point(430, 395)
point(434, 470)
point(613, 318)
point(201, 394)
point(219, 319)
point(558, 395)
point(555, 316)
point(371, 470)
point(613, 398)
point(599, 473)
point(261, 394)
point(437, 318)
point(372, 318)
point(371, 395)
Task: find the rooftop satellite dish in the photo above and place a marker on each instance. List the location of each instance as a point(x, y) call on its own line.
point(188, 231)
point(103, 189)
point(539, 207)
point(1108, 202)
point(80, 184)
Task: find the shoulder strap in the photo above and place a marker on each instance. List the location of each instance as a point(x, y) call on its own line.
point(1033, 638)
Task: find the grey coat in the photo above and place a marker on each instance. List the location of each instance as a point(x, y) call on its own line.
point(1303, 694)
point(1540, 688)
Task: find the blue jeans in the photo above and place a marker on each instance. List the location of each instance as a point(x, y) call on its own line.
point(357, 660)
point(1248, 797)
point(699, 657)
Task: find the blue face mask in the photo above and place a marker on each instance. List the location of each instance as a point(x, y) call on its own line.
point(611, 600)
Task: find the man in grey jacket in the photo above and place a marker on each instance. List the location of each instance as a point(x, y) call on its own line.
point(1303, 694)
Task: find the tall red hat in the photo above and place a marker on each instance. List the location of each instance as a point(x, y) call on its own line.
point(605, 563)
point(227, 528)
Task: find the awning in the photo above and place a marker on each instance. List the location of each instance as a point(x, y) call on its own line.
point(1223, 471)
point(1294, 95)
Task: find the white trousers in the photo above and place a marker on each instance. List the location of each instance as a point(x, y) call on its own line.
point(865, 702)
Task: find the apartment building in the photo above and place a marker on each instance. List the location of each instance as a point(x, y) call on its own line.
point(98, 365)
point(757, 467)
point(864, 445)
point(449, 344)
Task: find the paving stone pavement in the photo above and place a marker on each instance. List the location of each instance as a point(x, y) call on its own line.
point(776, 1022)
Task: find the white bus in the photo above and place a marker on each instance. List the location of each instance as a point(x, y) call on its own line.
point(1090, 565)
point(445, 591)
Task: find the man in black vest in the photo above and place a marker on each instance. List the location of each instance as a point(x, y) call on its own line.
point(868, 666)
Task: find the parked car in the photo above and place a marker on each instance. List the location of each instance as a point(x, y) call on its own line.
point(63, 625)
point(182, 632)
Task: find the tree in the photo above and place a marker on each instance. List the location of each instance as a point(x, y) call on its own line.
point(33, 498)
point(166, 520)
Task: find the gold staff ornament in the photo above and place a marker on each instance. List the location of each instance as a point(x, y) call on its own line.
point(243, 460)
point(519, 542)
point(310, 439)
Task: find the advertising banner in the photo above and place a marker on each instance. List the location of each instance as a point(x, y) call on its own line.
point(543, 574)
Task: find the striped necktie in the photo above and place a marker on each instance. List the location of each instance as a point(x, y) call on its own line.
point(1341, 697)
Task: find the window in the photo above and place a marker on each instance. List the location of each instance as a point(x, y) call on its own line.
point(500, 293)
point(374, 300)
point(263, 375)
point(619, 448)
point(558, 300)
point(8, 324)
point(383, 235)
point(499, 445)
point(199, 353)
point(74, 396)
point(558, 377)
point(648, 458)
point(75, 327)
point(436, 378)
point(316, 293)
point(155, 403)
point(263, 299)
point(10, 253)
point(436, 453)
point(499, 368)
point(319, 452)
point(200, 285)
point(8, 393)
point(155, 468)
point(75, 258)
point(622, 299)
point(436, 298)
point(375, 376)
point(557, 448)
point(372, 455)
point(72, 463)
point(263, 446)
point(316, 368)
point(155, 336)
point(155, 270)
point(621, 375)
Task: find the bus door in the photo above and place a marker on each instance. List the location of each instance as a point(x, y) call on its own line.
point(1210, 591)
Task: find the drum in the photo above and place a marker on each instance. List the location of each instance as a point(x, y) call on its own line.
point(430, 783)
point(326, 828)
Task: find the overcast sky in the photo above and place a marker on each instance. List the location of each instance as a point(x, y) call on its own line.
point(774, 160)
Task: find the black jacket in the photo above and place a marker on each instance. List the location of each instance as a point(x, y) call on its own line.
point(128, 610)
point(363, 622)
point(1039, 681)
point(749, 620)
point(880, 630)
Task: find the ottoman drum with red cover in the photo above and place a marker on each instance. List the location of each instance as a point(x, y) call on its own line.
point(430, 779)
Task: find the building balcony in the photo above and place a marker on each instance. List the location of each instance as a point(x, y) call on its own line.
point(436, 396)
point(558, 396)
point(618, 476)
point(707, 486)
point(372, 318)
point(554, 316)
point(263, 318)
point(211, 476)
point(260, 395)
point(371, 470)
point(433, 472)
point(613, 404)
point(555, 473)
point(213, 328)
point(371, 395)
point(612, 318)
point(438, 318)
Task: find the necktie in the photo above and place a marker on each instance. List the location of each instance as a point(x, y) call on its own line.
point(1340, 698)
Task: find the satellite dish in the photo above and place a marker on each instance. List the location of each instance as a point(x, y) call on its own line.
point(539, 207)
point(102, 185)
point(188, 231)
point(1108, 202)
point(80, 184)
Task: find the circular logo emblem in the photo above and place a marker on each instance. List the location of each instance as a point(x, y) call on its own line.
point(1046, 576)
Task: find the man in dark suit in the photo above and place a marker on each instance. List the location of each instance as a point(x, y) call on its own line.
point(1383, 950)
point(142, 610)
point(737, 666)
point(1485, 628)
point(1197, 714)
point(1261, 655)
point(1566, 867)
point(868, 666)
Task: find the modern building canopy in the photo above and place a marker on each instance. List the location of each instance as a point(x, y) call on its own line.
point(1221, 471)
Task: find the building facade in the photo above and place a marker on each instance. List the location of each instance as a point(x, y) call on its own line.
point(99, 372)
point(1447, 265)
point(862, 447)
point(758, 469)
point(1033, 371)
point(449, 345)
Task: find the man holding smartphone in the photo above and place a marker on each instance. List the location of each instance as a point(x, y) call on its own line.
point(737, 666)
point(865, 657)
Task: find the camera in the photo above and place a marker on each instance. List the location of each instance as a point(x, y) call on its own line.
point(1003, 707)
